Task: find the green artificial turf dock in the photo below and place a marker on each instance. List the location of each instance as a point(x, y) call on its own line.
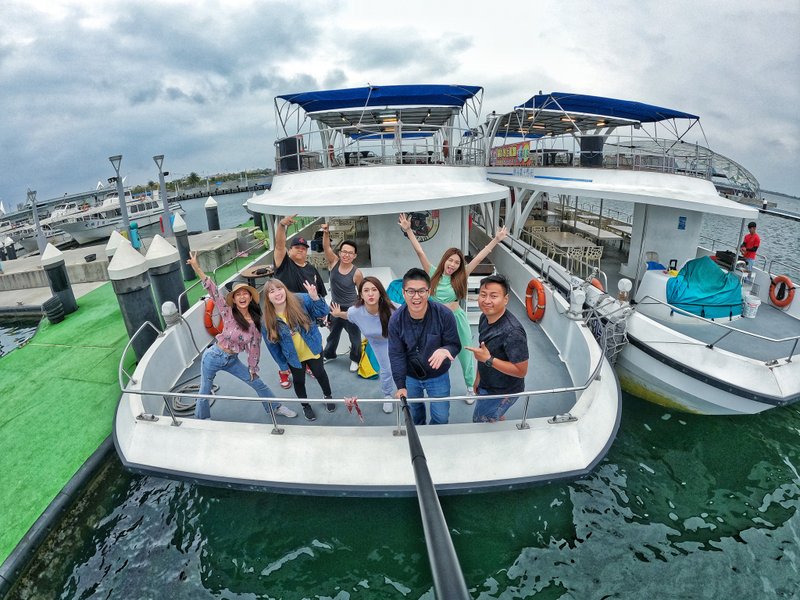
point(58, 395)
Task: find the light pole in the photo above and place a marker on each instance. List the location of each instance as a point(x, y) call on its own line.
point(162, 192)
point(126, 226)
point(40, 241)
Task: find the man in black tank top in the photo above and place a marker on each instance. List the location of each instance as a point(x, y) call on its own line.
point(345, 279)
point(292, 266)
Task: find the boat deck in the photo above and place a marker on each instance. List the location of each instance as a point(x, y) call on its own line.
point(769, 322)
point(546, 371)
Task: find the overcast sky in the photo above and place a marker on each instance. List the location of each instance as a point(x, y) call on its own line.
point(80, 81)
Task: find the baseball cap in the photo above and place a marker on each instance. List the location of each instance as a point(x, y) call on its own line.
point(298, 240)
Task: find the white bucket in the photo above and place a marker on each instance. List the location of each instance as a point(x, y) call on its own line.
point(751, 304)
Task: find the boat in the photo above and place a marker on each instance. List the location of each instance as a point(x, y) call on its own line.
point(97, 223)
point(562, 156)
point(28, 239)
point(359, 157)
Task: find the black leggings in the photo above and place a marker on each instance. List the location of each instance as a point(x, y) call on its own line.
point(318, 369)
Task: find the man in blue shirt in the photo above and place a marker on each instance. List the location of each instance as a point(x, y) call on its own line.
point(423, 339)
point(503, 353)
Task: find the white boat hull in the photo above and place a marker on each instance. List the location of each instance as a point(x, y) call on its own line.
point(86, 232)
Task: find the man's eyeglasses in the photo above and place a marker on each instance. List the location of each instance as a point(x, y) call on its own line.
point(420, 292)
point(347, 252)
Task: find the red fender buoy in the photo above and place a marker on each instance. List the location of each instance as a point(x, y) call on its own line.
point(781, 291)
point(535, 311)
point(208, 320)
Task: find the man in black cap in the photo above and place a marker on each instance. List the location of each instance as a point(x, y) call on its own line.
point(292, 266)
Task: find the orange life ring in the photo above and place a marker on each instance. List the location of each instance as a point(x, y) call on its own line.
point(781, 291)
point(596, 283)
point(535, 313)
point(208, 320)
point(330, 153)
point(445, 149)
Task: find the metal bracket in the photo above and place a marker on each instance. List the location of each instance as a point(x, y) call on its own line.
point(277, 431)
point(399, 433)
point(522, 426)
point(565, 418)
point(146, 417)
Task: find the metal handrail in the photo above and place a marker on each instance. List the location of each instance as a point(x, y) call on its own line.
point(121, 368)
point(786, 340)
point(525, 394)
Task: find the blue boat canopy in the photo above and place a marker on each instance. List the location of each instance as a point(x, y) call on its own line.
point(604, 107)
point(383, 96)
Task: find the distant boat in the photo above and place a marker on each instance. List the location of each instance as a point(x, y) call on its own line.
point(97, 223)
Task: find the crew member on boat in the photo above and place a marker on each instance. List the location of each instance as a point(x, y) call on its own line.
point(241, 332)
point(345, 278)
point(749, 248)
point(423, 342)
point(449, 286)
point(503, 353)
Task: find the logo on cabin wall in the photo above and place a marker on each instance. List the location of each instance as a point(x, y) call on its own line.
point(424, 224)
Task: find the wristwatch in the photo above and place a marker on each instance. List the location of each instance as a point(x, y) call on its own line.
point(488, 362)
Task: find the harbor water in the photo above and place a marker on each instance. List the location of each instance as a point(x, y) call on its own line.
point(682, 507)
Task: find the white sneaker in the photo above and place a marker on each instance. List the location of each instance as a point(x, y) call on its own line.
point(388, 407)
point(353, 366)
point(285, 411)
point(470, 392)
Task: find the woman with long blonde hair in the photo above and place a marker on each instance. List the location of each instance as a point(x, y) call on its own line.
point(293, 338)
point(449, 286)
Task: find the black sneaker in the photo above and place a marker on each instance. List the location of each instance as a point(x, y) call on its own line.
point(330, 406)
point(308, 412)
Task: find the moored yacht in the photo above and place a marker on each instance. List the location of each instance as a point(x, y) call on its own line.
point(700, 334)
point(97, 223)
point(358, 158)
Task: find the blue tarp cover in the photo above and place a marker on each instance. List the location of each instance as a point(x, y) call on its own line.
point(607, 107)
point(384, 95)
point(702, 288)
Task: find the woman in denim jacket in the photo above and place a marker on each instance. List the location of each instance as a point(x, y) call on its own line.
point(292, 337)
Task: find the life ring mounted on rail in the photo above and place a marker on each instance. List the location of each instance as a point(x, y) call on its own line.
point(535, 310)
point(445, 149)
point(781, 291)
point(330, 153)
point(208, 319)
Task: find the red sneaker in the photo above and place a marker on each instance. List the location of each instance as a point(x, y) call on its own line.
point(285, 383)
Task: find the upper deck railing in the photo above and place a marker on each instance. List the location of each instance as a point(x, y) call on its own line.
point(398, 144)
point(629, 152)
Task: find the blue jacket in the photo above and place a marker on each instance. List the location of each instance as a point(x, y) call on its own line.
point(283, 350)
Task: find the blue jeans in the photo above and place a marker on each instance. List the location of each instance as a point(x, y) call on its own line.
point(214, 360)
point(491, 410)
point(437, 387)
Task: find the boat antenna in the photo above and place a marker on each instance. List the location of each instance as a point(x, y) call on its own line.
point(448, 580)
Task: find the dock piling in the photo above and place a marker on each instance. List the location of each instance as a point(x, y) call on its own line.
point(131, 282)
point(164, 267)
point(57, 277)
point(182, 242)
point(212, 214)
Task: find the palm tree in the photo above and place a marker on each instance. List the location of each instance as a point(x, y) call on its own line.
point(193, 179)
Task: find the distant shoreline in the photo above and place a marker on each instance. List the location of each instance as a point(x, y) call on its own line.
point(780, 194)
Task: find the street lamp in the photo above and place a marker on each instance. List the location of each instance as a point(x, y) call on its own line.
point(41, 243)
point(162, 192)
point(126, 226)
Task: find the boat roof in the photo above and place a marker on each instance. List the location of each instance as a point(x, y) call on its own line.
point(383, 96)
point(427, 104)
point(558, 113)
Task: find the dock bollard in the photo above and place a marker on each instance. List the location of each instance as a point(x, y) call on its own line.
point(212, 214)
point(3, 252)
point(114, 240)
point(164, 267)
point(128, 274)
point(11, 251)
point(56, 270)
point(182, 242)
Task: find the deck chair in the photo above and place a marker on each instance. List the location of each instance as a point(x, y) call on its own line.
point(592, 257)
point(575, 260)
